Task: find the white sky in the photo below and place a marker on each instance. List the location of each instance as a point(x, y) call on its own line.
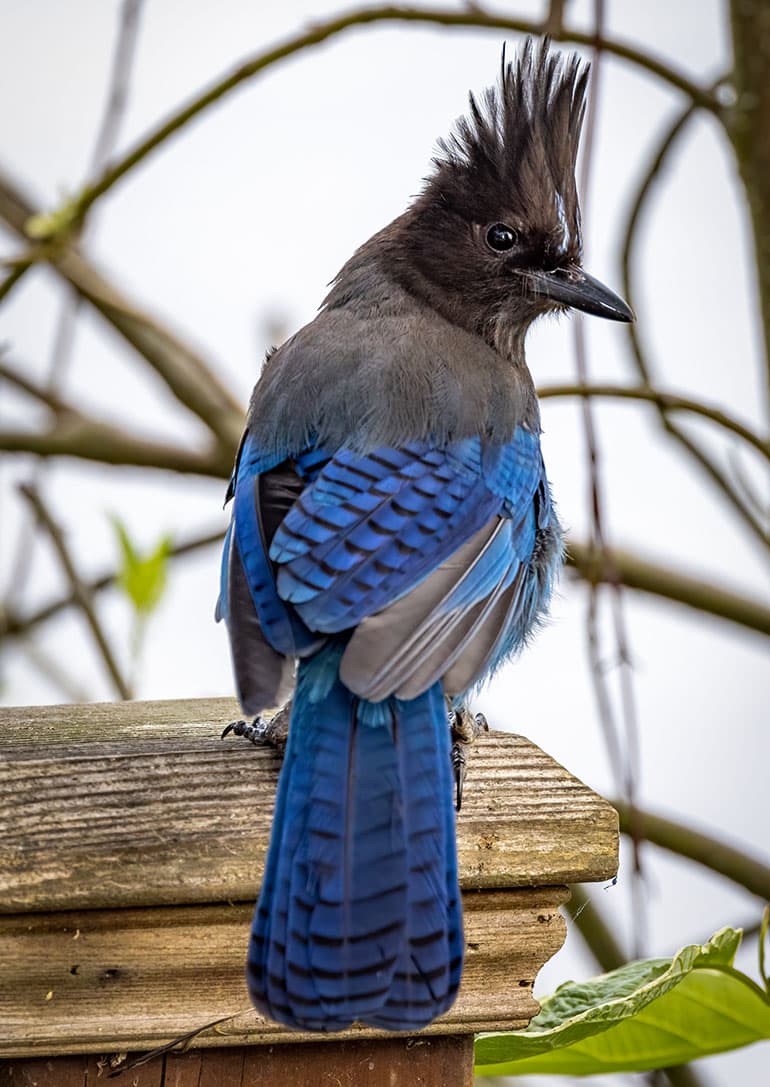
point(242, 220)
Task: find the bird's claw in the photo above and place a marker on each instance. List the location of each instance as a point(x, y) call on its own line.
point(465, 727)
point(459, 769)
point(261, 731)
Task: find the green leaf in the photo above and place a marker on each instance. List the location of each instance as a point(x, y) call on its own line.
point(764, 926)
point(142, 577)
point(645, 1015)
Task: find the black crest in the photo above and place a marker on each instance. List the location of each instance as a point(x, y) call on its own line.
point(515, 151)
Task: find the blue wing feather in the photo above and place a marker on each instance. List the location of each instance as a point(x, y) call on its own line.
point(360, 538)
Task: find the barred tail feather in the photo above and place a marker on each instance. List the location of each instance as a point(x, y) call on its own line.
point(359, 918)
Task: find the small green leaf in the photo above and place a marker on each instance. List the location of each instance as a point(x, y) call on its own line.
point(645, 1015)
point(142, 578)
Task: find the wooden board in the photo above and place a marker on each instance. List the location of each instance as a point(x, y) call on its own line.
point(443, 1061)
point(100, 981)
point(141, 804)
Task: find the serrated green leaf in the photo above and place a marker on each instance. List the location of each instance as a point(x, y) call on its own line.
point(142, 578)
point(645, 1015)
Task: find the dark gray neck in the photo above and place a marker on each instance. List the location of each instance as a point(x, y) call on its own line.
point(380, 366)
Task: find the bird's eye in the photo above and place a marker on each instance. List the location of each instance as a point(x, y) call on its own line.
point(501, 237)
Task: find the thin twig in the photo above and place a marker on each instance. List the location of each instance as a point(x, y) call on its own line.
point(735, 499)
point(669, 401)
point(13, 625)
point(634, 572)
point(625, 764)
point(64, 334)
point(52, 670)
point(188, 376)
point(18, 270)
point(37, 392)
point(697, 453)
point(120, 81)
point(79, 590)
point(321, 32)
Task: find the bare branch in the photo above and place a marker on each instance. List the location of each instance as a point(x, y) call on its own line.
point(191, 380)
point(647, 577)
point(88, 439)
point(669, 401)
point(79, 590)
point(634, 572)
point(749, 130)
point(13, 625)
point(469, 18)
point(19, 268)
point(37, 392)
point(718, 477)
point(702, 848)
point(52, 670)
point(625, 762)
point(120, 76)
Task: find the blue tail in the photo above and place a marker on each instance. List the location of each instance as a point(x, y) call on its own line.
point(359, 918)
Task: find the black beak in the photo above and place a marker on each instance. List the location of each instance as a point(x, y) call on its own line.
point(574, 287)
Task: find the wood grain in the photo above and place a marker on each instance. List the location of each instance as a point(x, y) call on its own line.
point(132, 979)
point(132, 841)
point(141, 804)
point(381, 1062)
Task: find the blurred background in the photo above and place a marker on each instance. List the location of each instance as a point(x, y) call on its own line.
point(136, 354)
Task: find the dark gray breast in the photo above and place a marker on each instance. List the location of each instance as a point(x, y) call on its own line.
point(377, 367)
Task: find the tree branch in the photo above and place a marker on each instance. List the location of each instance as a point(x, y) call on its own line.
point(470, 18)
point(18, 269)
point(191, 380)
point(624, 758)
point(79, 590)
point(650, 175)
point(88, 439)
point(702, 848)
point(53, 402)
point(13, 625)
point(50, 668)
point(668, 401)
point(749, 131)
point(702, 596)
point(634, 572)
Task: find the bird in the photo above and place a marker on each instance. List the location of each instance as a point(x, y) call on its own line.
point(393, 541)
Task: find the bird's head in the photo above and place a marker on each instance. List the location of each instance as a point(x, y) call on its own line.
point(494, 240)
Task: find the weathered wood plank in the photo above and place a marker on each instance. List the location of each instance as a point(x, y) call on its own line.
point(383, 1062)
point(98, 981)
point(140, 804)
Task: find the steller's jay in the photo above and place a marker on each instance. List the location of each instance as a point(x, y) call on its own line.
point(393, 532)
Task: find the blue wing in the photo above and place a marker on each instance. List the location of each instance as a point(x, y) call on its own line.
point(425, 554)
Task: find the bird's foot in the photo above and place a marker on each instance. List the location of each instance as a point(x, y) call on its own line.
point(264, 731)
point(465, 727)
